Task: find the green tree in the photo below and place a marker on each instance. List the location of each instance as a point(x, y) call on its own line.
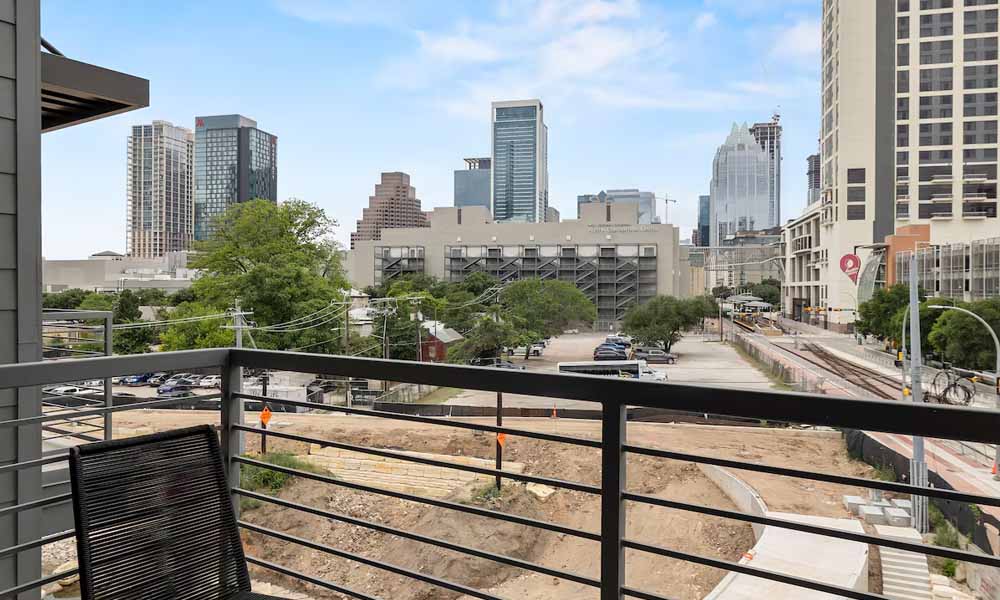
point(546, 307)
point(134, 341)
point(196, 334)
point(963, 340)
point(126, 307)
point(152, 297)
point(96, 301)
point(66, 299)
point(280, 261)
point(722, 291)
point(768, 292)
point(478, 282)
point(875, 317)
point(181, 296)
point(401, 330)
point(663, 319)
point(486, 338)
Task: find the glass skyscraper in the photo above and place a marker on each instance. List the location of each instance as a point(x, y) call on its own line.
point(234, 162)
point(472, 184)
point(741, 186)
point(704, 220)
point(520, 186)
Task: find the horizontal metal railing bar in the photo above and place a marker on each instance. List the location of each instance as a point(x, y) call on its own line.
point(929, 420)
point(37, 583)
point(752, 571)
point(59, 499)
point(569, 485)
point(587, 535)
point(889, 486)
point(627, 591)
point(103, 367)
point(253, 560)
point(445, 422)
point(514, 562)
point(90, 412)
point(417, 575)
point(38, 462)
point(47, 539)
point(864, 538)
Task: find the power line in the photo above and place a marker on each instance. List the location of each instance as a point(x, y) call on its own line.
point(140, 324)
point(302, 321)
point(329, 319)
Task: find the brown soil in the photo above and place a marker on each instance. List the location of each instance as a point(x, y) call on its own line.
point(690, 532)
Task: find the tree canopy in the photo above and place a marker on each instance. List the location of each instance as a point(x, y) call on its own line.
point(281, 262)
point(663, 319)
point(962, 340)
point(547, 307)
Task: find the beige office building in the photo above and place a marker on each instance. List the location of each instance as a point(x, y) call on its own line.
point(606, 253)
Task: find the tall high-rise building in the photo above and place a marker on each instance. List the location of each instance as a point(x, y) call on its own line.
point(768, 135)
point(472, 184)
point(741, 187)
point(520, 185)
point(160, 190)
point(234, 161)
point(646, 201)
point(394, 205)
point(813, 167)
point(704, 221)
point(908, 138)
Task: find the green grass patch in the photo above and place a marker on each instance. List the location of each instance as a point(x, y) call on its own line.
point(948, 568)
point(945, 535)
point(267, 481)
point(884, 472)
point(488, 494)
point(440, 395)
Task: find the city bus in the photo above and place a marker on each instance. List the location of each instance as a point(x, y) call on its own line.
point(627, 369)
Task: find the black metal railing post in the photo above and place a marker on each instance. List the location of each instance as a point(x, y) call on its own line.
point(612, 501)
point(231, 415)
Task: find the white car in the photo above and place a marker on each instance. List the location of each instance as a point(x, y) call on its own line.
point(652, 374)
point(209, 381)
point(520, 351)
point(66, 390)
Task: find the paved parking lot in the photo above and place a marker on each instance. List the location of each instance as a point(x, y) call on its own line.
point(699, 361)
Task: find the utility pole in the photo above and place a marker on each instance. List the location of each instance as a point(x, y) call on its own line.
point(918, 467)
point(347, 322)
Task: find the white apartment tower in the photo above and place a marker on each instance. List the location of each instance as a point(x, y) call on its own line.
point(908, 137)
point(160, 190)
point(519, 188)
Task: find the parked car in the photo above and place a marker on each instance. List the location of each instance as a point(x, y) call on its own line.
point(209, 381)
point(66, 390)
point(176, 377)
point(653, 374)
point(540, 345)
point(158, 379)
point(522, 350)
point(614, 339)
point(175, 385)
point(134, 380)
point(608, 354)
point(654, 356)
point(178, 393)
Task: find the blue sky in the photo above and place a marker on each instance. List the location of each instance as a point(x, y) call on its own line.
point(637, 93)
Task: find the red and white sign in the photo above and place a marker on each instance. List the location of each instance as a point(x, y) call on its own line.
point(850, 264)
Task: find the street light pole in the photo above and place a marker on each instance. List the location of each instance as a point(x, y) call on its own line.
point(996, 371)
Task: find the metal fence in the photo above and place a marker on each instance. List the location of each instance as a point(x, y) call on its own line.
point(611, 394)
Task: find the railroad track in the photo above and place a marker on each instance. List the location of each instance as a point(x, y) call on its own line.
point(871, 381)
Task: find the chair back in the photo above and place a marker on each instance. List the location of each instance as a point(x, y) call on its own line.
point(154, 519)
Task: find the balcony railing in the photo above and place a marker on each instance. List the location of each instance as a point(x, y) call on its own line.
point(614, 399)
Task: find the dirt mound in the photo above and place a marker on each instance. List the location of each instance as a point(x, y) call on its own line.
point(702, 535)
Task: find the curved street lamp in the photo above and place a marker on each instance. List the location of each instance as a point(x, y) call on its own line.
point(996, 372)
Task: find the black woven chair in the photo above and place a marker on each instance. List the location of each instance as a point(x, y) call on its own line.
point(154, 520)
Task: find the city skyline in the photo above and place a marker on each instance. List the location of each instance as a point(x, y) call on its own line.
point(659, 138)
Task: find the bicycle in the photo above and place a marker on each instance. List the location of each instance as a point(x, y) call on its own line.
point(949, 387)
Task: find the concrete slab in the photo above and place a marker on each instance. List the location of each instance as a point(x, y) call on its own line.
point(898, 517)
point(854, 503)
point(872, 514)
point(906, 505)
point(844, 563)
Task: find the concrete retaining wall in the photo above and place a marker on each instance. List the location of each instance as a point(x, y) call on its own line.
point(743, 496)
point(777, 364)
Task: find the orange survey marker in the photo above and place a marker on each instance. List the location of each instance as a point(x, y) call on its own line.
point(501, 438)
point(265, 416)
point(994, 468)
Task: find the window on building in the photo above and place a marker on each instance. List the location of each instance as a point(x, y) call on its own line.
point(980, 49)
point(856, 176)
point(981, 21)
point(902, 55)
point(902, 82)
point(936, 25)
point(980, 76)
point(855, 212)
point(936, 80)
point(855, 194)
point(902, 28)
point(936, 52)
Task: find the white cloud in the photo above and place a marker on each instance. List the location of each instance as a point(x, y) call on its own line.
point(591, 50)
point(705, 20)
point(798, 43)
point(457, 48)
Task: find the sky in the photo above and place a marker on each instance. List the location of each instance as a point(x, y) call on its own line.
point(637, 94)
